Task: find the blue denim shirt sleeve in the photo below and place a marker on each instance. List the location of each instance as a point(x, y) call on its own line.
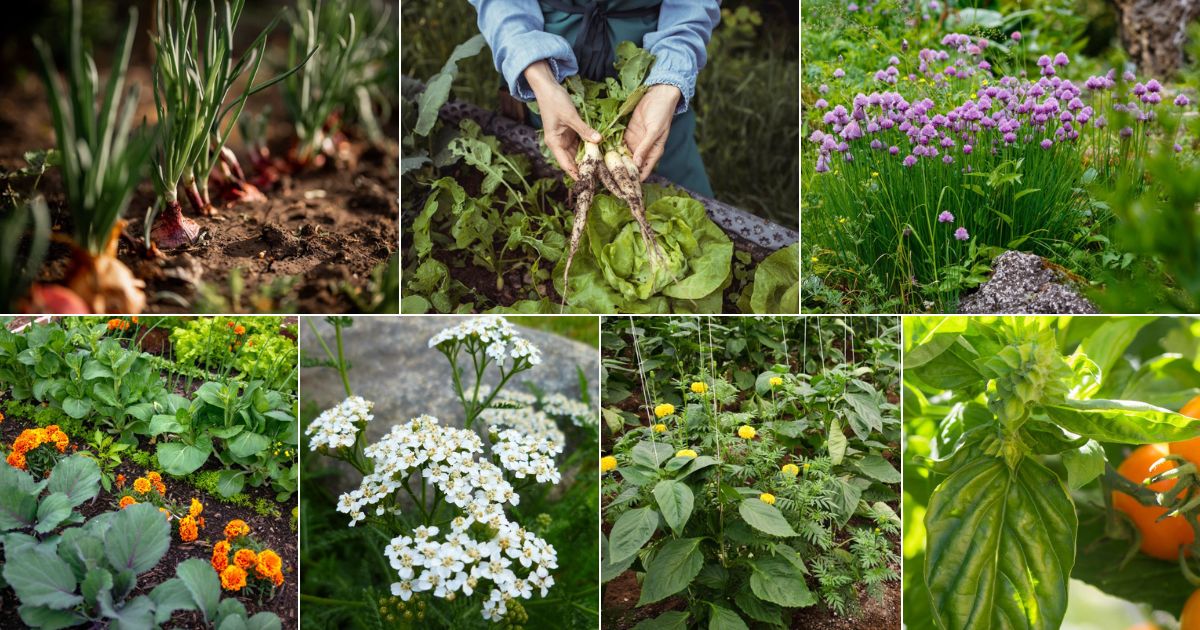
point(684, 28)
point(514, 30)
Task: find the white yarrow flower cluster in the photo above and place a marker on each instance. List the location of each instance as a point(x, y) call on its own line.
point(533, 416)
point(511, 564)
point(580, 413)
point(499, 337)
point(528, 455)
point(526, 421)
point(339, 426)
point(498, 557)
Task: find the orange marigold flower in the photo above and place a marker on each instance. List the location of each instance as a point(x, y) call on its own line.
point(236, 527)
point(277, 579)
point(141, 485)
point(187, 529)
point(114, 324)
point(134, 319)
point(230, 324)
point(233, 578)
point(222, 547)
point(269, 563)
point(1, 416)
point(127, 501)
point(120, 481)
point(160, 487)
point(16, 460)
point(196, 508)
point(245, 558)
point(153, 476)
point(239, 330)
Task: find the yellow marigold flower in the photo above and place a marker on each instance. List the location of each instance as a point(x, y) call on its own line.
point(791, 469)
point(269, 563)
point(699, 387)
point(196, 508)
point(233, 578)
point(663, 410)
point(236, 527)
point(775, 381)
point(187, 529)
point(607, 463)
point(687, 452)
point(141, 485)
point(127, 501)
point(245, 558)
point(660, 428)
point(767, 498)
point(746, 432)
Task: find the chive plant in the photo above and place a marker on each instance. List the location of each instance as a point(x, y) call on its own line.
point(102, 158)
point(18, 268)
point(343, 76)
point(195, 73)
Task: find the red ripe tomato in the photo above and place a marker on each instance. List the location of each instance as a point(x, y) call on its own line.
point(1160, 539)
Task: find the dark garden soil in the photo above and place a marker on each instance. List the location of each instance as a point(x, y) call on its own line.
point(274, 533)
point(319, 235)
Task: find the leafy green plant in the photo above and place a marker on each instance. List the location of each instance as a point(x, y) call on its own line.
point(108, 455)
point(27, 223)
point(89, 574)
point(33, 509)
point(1015, 421)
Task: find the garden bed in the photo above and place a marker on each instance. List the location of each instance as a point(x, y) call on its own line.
point(311, 247)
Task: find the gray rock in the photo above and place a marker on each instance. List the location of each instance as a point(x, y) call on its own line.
point(1025, 284)
point(393, 366)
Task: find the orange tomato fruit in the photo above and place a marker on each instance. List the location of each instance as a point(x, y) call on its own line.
point(1160, 539)
point(1189, 449)
point(1190, 618)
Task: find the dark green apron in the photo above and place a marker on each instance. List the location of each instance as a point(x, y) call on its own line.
point(595, 27)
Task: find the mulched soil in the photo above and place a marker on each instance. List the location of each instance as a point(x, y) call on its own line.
point(275, 533)
point(324, 230)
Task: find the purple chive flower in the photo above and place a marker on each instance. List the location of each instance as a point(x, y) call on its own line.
point(852, 7)
point(961, 234)
point(894, 150)
point(1153, 85)
point(945, 217)
point(1178, 148)
point(821, 104)
point(1016, 36)
point(1047, 143)
point(1044, 61)
point(1128, 76)
point(1061, 59)
point(910, 160)
point(1126, 132)
point(893, 61)
point(824, 89)
point(839, 73)
point(967, 149)
point(1182, 100)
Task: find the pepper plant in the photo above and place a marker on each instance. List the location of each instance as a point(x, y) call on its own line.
point(1011, 424)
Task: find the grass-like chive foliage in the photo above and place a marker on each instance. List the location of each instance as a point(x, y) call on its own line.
point(344, 76)
point(102, 154)
point(194, 74)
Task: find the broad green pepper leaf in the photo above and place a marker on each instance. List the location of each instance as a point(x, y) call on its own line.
point(878, 468)
point(652, 454)
point(672, 569)
point(721, 618)
point(630, 532)
point(1000, 547)
point(670, 620)
point(1124, 421)
point(837, 442)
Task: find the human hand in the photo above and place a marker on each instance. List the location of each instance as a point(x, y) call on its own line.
point(561, 124)
point(646, 133)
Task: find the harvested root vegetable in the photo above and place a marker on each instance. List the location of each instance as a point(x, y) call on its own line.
point(606, 107)
point(582, 194)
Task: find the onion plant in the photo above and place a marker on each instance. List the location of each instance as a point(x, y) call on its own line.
point(344, 76)
point(195, 73)
point(28, 223)
point(102, 159)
